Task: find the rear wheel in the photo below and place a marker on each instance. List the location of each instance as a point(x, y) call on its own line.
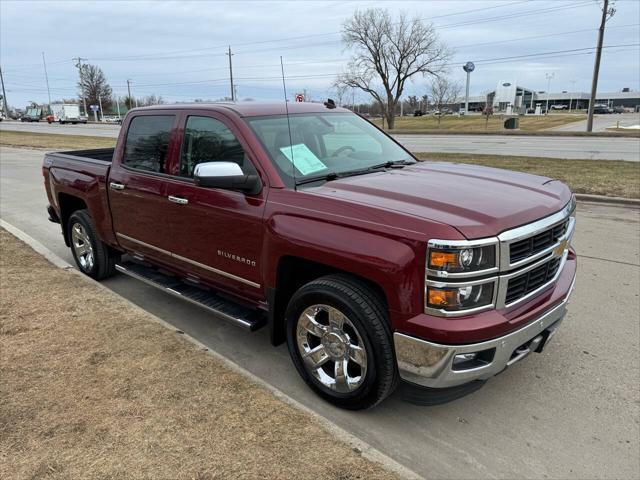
point(92, 256)
point(340, 342)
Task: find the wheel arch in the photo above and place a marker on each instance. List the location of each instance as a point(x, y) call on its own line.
point(69, 204)
point(292, 273)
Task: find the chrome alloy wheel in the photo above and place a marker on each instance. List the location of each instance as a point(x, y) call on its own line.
point(331, 348)
point(82, 247)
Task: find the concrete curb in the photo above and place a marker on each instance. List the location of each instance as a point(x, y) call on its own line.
point(627, 202)
point(366, 450)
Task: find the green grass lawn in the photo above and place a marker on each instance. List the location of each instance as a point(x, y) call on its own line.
point(479, 123)
point(612, 178)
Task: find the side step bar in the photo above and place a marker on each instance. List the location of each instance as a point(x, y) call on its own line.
point(245, 317)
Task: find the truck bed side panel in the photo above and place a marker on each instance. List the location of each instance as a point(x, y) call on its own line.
point(83, 178)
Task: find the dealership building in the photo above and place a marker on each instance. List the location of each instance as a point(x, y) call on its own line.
point(509, 96)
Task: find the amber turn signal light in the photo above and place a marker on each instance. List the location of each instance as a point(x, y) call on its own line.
point(443, 259)
point(441, 298)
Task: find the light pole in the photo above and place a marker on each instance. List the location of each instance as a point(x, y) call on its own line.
point(549, 77)
point(573, 89)
point(468, 67)
point(46, 78)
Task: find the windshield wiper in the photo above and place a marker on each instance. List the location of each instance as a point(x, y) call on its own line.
point(375, 168)
point(317, 178)
point(333, 175)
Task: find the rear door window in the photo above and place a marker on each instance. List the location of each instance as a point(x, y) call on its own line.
point(147, 143)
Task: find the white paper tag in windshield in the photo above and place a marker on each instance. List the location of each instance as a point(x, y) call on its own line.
point(303, 159)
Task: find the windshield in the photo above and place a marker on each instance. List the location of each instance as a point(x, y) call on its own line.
point(324, 144)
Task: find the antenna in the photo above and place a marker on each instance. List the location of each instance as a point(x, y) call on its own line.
point(286, 108)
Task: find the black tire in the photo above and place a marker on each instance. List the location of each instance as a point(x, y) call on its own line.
point(104, 259)
point(367, 314)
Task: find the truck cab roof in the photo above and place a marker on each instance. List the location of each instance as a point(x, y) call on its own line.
point(251, 109)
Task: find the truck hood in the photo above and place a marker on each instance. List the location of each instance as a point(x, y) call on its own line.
point(477, 201)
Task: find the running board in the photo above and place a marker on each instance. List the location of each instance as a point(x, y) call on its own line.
point(245, 317)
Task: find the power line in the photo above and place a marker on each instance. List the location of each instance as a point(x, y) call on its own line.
point(485, 61)
point(299, 37)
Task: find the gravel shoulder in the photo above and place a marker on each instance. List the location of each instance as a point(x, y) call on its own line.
point(93, 387)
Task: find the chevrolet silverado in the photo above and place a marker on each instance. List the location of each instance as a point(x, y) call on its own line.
point(377, 270)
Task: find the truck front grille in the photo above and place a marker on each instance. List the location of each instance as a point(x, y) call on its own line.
point(530, 246)
point(530, 281)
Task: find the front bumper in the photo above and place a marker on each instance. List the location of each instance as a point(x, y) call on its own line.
point(432, 365)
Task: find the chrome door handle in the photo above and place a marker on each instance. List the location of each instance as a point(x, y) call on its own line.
point(116, 186)
point(178, 200)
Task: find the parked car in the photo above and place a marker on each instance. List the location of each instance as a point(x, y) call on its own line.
point(32, 114)
point(375, 269)
point(619, 109)
point(417, 113)
point(602, 109)
point(112, 119)
point(559, 107)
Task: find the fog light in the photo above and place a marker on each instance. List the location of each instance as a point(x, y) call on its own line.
point(471, 360)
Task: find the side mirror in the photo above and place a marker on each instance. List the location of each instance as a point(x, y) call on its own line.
point(227, 175)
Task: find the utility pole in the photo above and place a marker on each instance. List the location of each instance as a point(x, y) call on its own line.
point(233, 94)
point(81, 72)
point(129, 90)
point(549, 77)
point(4, 96)
point(46, 77)
point(607, 13)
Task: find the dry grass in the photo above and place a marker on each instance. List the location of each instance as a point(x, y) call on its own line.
point(612, 178)
point(92, 388)
point(52, 141)
point(478, 123)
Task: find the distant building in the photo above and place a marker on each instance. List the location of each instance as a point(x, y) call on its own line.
point(509, 95)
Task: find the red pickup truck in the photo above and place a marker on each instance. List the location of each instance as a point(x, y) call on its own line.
point(376, 269)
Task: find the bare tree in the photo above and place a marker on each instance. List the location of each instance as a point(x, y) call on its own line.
point(388, 53)
point(93, 86)
point(444, 92)
point(150, 100)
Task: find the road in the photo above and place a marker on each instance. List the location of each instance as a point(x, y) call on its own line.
point(593, 148)
point(571, 412)
point(596, 148)
point(601, 122)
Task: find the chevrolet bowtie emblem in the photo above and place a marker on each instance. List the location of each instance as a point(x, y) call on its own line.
point(559, 250)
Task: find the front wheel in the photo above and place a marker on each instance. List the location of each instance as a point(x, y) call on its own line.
point(92, 256)
point(340, 342)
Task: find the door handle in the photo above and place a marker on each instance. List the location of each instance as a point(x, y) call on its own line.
point(116, 186)
point(178, 200)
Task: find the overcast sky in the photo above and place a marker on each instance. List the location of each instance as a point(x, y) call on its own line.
point(177, 49)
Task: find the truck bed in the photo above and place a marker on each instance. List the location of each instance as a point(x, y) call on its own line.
point(100, 154)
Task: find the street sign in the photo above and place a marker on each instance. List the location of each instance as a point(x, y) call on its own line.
point(299, 97)
point(469, 67)
point(94, 108)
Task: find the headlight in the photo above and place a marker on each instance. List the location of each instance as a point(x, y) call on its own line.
point(464, 297)
point(461, 259)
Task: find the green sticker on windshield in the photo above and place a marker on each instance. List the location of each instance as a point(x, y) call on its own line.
point(303, 158)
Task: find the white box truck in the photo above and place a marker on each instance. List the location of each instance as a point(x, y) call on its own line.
point(66, 113)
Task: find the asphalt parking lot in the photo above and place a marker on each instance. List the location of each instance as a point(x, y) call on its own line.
point(595, 148)
point(571, 412)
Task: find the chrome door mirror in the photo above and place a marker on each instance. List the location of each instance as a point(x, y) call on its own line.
point(226, 175)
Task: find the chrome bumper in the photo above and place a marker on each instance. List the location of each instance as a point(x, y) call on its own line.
point(432, 365)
